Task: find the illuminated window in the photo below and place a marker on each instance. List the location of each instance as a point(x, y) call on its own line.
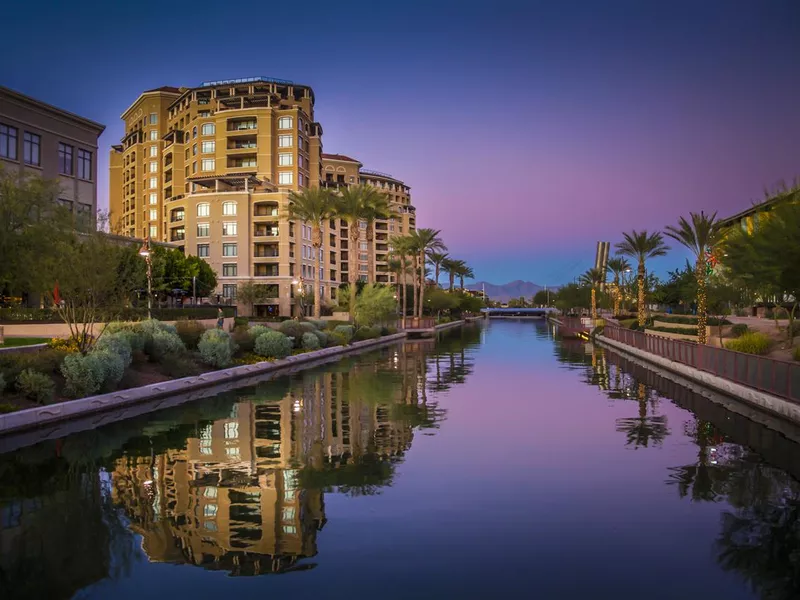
point(285, 178)
point(285, 159)
point(203, 209)
point(229, 209)
point(285, 123)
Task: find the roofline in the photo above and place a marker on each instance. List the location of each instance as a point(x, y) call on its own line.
point(54, 109)
point(379, 175)
point(210, 85)
point(755, 208)
point(330, 157)
point(142, 95)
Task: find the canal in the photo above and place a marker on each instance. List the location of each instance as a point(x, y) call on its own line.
point(497, 461)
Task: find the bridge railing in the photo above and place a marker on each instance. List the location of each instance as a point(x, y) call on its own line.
point(780, 378)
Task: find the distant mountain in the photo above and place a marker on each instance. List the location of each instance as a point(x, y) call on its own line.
point(503, 293)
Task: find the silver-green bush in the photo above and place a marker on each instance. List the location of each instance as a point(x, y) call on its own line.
point(117, 343)
point(36, 386)
point(310, 341)
point(273, 344)
point(84, 374)
point(322, 337)
point(345, 330)
point(165, 343)
point(257, 330)
point(216, 348)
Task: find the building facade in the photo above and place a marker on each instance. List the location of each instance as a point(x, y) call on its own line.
point(40, 139)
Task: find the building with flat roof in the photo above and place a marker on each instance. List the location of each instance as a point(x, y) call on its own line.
point(37, 138)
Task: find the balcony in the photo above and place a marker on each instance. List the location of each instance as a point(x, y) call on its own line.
point(177, 235)
point(242, 125)
point(265, 209)
point(176, 216)
point(261, 270)
point(266, 251)
point(242, 144)
point(266, 231)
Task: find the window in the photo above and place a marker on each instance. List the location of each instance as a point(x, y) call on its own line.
point(194, 149)
point(285, 178)
point(153, 214)
point(229, 209)
point(231, 431)
point(31, 151)
point(153, 231)
point(362, 256)
point(194, 131)
point(64, 159)
point(207, 164)
point(208, 129)
point(285, 141)
point(229, 270)
point(203, 230)
point(8, 142)
point(229, 290)
point(285, 123)
point(301, 161)
point(285, 159)
point(153, 151)
point(153, 198)
point(300, 180)
point(362, 245)
point(203, 114)
point(208, 146)
point(153, 183)
point(230, 250)
point(153, 135)
point(229, 228)
point(153, 167)
point(202, 250)
point(194, 167)
point(153, 119)
point(362, 268)
point(203, 210)
point(210, 510)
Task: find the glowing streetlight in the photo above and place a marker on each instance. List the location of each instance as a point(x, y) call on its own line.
point(145, 253)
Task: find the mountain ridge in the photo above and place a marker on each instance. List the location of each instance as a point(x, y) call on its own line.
point(504, 292)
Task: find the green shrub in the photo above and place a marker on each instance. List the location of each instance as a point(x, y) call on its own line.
point(163, 343)
point(689, 320)
point(295, 330)
point(241, 322)
point(84, 374)
point(190, 333)
point(117, 343)
point(136, 339)
point(680, 330)
point(739, 330)
point(346, 330)
point(322, 336)
point(2, 383)
point(333, 324)
point(317, 323)
point(367, 333)
point(257, 330)
point(178, 366)
point(153, 326)
point(310, 341)
point(216, 348)
point(750, 343)
point(795, 354)
point(337, 338)
point(273, 344)
point(112, 365)
point(36, 386)
point(243, 339)
point(375, 303)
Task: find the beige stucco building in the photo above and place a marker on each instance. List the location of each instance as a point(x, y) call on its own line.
point(40, 139)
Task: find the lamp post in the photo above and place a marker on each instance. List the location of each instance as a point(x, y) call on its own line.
point(145, 252)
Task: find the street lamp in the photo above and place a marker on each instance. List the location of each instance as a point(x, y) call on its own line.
point(145, 252)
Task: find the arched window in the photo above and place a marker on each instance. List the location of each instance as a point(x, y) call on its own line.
point(229, 209)
point(203, 209)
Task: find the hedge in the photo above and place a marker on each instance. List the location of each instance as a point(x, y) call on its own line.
point(688, 319)
point(44, 315)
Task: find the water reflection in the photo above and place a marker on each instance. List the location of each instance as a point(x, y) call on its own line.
point(748, 466)
point(236, 483)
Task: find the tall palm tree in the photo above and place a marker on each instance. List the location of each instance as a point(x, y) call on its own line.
point(465, 270)
point(593, 278)
point(357, 203)
point(436, 259)
point(425, 240)
point(314, 206)
point(640, 245)
point(402, 249)
point(378, 208)
point(452, 267)
point(699, 235)
point(618, 266)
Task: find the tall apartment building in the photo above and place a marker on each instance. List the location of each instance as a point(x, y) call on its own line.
point(340, 171)
point(40, 139)
point(211, 169)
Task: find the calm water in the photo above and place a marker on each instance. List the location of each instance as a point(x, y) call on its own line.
point(498, 461)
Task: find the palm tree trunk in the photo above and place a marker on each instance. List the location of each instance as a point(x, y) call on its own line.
point(616, 296)
point(370, 253)
point(414, 279)
point(316, 244)
point(594, 305)
point(452, 280)
point(402, 277)
point(640, 282)
point(461, 282)
point(436, 265)
point(700, 274)
point(421, 282)
point(352, 276)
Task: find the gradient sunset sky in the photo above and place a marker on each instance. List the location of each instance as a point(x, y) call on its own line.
point(527, 130)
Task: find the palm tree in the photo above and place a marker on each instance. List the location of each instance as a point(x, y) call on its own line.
point(465, 270)
point(593, 278)
point(357, 203)
point(641, 245)
point(314, 206)
point(436, 259)
point(700, 235)
point(617, 266)
point(378, 208)
point(451, 267)
point(425, 240)
point(402, 248)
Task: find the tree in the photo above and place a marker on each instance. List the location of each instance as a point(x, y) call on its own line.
point(465, 271)
point(451, 266)
point(436, 259)
point(701, 235)
point(679, 289)
point(375, 304)
point(572, 296)
point(640, 245)
point(401, 248)
point(201, 278)
point(251, 293)
point(425, 240)
point(618, 267)
point(768, 258)
point(469, 304)
point(357, 203)
point(314, 206)
point(593, 278)
point(542, 298)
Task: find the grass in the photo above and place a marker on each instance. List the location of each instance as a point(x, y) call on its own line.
point(750, 343)
point(23, 341)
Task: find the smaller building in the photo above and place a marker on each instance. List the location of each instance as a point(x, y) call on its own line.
point(40, 139)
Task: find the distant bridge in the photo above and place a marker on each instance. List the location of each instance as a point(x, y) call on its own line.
point(517, 312)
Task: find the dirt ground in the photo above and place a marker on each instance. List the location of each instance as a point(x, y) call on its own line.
point(780, 348)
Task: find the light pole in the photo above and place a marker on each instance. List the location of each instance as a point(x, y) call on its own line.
point(145, 252)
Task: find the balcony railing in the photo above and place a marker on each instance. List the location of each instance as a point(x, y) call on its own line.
point(273, 232)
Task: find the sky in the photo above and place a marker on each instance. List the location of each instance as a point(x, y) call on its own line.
point(528, 131)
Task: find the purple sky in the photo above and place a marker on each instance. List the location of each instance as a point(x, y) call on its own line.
point(527, 130)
